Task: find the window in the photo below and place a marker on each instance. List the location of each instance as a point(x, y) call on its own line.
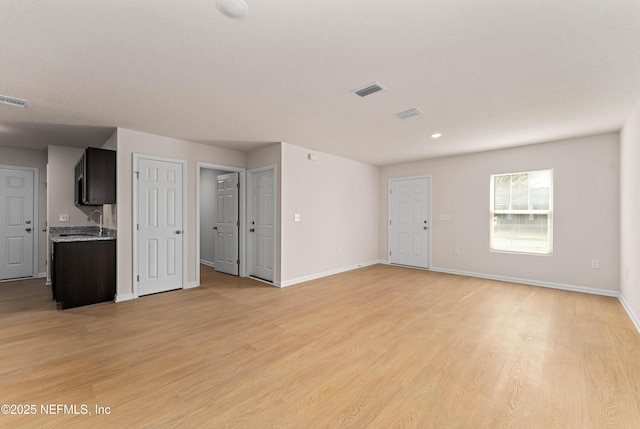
point(521, 212)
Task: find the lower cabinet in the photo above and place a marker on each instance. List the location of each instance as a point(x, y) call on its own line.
point(84, 272)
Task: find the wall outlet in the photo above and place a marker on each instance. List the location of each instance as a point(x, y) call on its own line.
point(63, 217)
point(595, 264)
point(456, 251)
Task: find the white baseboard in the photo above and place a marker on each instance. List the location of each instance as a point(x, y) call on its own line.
point(41, 275)
point(191, 285)
point(634, 318)
point(124, 297)
point(324, 274)
point(207, 263)
point(550, 285)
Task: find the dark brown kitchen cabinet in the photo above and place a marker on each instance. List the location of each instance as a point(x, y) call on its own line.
point(95, 175)
point(84, 272)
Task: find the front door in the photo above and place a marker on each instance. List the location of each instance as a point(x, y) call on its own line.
point(262, 217)
point(227, 224)
point(17, 228)
point(160, 226)
point(409, 222)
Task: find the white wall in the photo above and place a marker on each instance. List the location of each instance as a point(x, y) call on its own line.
point(208, 214)
point(337, 200)
point(110, 210)
point(61, 185)
point(130, 142)
point(630, 215)
point(585, 220)
point(38, 160)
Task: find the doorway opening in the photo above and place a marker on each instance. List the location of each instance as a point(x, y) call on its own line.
point(220, 206)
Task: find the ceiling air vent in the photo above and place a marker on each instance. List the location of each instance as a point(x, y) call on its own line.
point(372, 88)
point(409, 113)
point(15, 102)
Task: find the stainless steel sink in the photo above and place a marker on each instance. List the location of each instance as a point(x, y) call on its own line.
point(79, 235)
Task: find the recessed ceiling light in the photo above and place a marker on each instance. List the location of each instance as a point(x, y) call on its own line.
point(436, 135)
point(236, 9)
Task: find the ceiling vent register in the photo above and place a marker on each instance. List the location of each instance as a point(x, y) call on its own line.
point(15, 102)
point(409, 113)
point(372, 88)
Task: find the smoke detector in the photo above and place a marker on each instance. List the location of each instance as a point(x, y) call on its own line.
point(236, 9)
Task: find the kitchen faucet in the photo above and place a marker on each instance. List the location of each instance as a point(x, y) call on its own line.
point(100, 213)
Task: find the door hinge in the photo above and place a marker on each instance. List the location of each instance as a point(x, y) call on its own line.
point(390, 191)
point(389, 252)
point(138, 278)
point(237, 261)
point(238, 185)
point(389, 221)
point(137, 226)
point(137, 173)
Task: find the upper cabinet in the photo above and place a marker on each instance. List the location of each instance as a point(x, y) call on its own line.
point(95, 175)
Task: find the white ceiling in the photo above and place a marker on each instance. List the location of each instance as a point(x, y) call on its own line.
point(488, 74)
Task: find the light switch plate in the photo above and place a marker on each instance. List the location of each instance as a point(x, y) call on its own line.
point(64, 217)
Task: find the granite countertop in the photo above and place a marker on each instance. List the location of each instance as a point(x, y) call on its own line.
point(68, 234)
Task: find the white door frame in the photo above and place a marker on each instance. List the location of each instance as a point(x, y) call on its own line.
point(390, 209)
point(136, 158)
point(36, 214)
point(242, 269)
point(275, 214)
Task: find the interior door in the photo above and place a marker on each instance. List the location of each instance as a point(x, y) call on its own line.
point(17, 228)
point(160, 226)
point(409, 222)
point(227, 224)
point(262, 214)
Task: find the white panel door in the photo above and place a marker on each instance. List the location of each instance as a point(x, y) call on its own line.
point(160, 226)
point(227, 221)
point(16, 223)
point(409, 222)
point(262, 219)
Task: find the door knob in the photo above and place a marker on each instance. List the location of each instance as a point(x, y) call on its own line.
point(28, 229)
point(215, 227)
point(178, 232)
point(252, 230)
point(27, 222)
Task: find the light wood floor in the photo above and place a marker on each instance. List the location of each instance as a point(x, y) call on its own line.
point(378, 347)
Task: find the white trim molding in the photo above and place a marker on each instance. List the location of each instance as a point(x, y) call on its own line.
point(324, 274)
point(124, 297)
point(207, 263)
point(191, 285)
point(634, 318)
point(572, 288)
